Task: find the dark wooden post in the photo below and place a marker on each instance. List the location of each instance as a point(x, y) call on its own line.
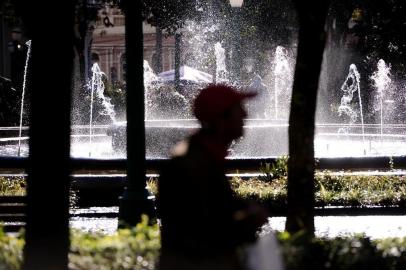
point(301, 165)
point(134, 201)
point(47, 228)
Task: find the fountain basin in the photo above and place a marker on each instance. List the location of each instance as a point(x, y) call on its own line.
point(269, 138)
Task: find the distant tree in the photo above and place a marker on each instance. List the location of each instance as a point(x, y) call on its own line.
point(11, 18)
point(87, 14)
point(273, 21)
point(171, 15)
point(362, 32)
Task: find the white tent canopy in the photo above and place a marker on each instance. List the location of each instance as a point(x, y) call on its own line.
point(187, 74)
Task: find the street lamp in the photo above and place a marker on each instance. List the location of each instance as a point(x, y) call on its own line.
point(236, 3)
point(235, 12)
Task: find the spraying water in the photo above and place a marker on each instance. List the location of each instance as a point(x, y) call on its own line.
point(28, 43)
point(349, 87)
point(260, 105)
point(149, 77)
point(97, 87)
point(198, 49)
point(282, 76)
point(221, 72)
point(381, 79)
point(161, 99)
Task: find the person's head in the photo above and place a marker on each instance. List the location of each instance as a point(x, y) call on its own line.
point(220, 110)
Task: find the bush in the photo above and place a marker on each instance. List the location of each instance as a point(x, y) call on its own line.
point(12, 186)
point(331, 190)
point(135, 248)
point(138, 248)
point(11, 250)
point(275, 170)
point(357, 252)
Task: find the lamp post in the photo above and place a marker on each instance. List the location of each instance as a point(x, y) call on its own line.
point(135, 200)
point(235, 42)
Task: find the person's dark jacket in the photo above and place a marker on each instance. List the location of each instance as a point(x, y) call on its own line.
point(196, 205)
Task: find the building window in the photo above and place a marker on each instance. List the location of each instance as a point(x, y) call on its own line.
point(119, 21)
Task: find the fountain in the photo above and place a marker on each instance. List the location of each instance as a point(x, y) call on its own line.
point(221, 72)
point(97, 87)
point(382, 80)
point(27, 59)
point(149, 78)
point(349, 87)
point(162, 100)
point(259, 107)
point(282, 78)
point(266, 135)
point(206, 50)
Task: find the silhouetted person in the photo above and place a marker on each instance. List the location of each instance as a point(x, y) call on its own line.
point(203, 223)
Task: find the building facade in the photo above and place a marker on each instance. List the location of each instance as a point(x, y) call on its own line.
point(109, 45)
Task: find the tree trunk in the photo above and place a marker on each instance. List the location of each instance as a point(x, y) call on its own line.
point(302, 115)
point(134, 202)
point(48, 168)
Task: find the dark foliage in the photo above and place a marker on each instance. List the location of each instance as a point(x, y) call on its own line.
point(340, 253)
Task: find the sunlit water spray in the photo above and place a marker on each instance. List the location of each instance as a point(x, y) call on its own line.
point(97, 89)
point(349, 87)
point(149, 77)
point(221, 71)
point(161, 99)
point(381, 79)
point(282, 76)
point(260, 108)
point(199, 50)
point(27, 59)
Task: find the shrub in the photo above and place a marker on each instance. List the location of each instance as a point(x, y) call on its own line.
point(138, 248)
point(275, 170)
point(331, 190)
point(135, 248)
point(12, 186)
point(11, 250)
point(350, 252)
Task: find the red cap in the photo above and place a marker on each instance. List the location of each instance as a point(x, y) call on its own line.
point(216, 99)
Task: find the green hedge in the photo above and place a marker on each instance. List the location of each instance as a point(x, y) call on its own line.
point(331, 190)
point(11, 250)
point(356, 252)
point(12, 186)
point(138, 248)
point(135, 248)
